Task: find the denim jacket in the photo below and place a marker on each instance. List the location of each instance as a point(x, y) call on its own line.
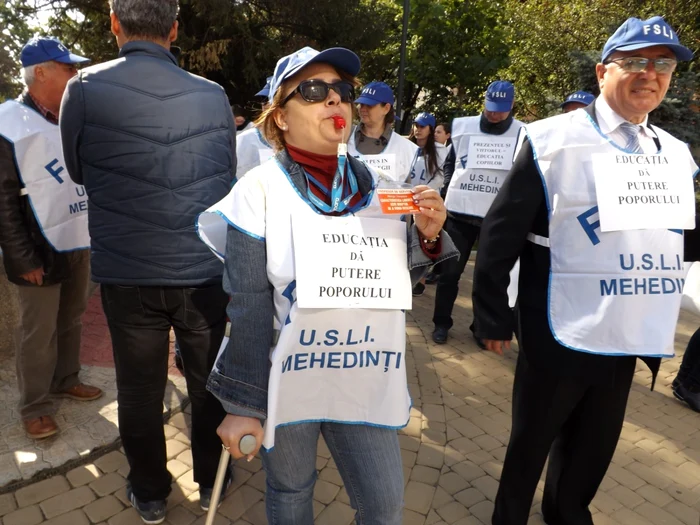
point(240, 377)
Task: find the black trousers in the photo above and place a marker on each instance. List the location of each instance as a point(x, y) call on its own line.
point(689, 372)
point(139, 320)
point(576, 421)
point(464, 235)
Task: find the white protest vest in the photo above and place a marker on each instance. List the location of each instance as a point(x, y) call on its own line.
point(59, 205)
point(611, 293)
point(473, 188)
point(251, 151)
point(344, 365)
point(419, 172)
point(395, 161)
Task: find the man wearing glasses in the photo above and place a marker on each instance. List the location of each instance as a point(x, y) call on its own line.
point(44, 237)
point(594, 207)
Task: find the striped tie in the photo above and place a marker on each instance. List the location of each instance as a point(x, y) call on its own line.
point(631, 134)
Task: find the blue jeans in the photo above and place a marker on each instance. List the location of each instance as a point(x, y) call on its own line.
point(368, 459)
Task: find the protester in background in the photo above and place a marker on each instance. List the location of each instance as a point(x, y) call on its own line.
point(251, 147)
point(154, 147)
point(443, 133)
point(44, 238)
point(579, 99)
point(428, 166)
point(470, 187)
point(243, 123)
point(357, 412)
point(579, 341)
point(374, 140)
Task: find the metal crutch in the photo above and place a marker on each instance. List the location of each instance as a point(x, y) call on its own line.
point(246, 446)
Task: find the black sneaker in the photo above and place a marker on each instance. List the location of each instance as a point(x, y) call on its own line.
point(418, 289)
point(205, 495)
point(692, 399)
point(152, 512)
point(440, 335)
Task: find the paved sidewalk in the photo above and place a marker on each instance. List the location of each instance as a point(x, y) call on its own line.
point(452, 450)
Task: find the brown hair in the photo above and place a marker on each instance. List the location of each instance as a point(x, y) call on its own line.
point(266, 121)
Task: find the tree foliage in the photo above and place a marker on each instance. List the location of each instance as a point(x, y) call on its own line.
point(14, 32)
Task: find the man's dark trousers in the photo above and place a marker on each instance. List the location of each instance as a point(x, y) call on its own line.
point(139, 320)
point(464, 235)
point(576, 421)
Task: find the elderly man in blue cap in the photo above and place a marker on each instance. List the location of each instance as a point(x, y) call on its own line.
point(594, 204)
point(577, 100)
point(44, 237)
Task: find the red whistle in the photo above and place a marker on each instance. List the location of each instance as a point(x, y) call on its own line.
point(338, 121)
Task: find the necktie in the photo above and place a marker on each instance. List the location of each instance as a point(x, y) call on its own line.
point(631, 134)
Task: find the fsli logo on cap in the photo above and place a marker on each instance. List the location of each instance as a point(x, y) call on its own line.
point(580, 97)
point(376, 93)
point(500, 96)
point(636, 34)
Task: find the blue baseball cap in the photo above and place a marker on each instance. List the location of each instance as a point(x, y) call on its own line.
point(637, 34)
point(265, 91)
point(500, 96)
point(338, 57)
point(425, 119)
point(42, 49)
point(375, 93)
point(582, 97)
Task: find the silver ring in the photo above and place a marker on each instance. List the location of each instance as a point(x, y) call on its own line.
point(225, 447)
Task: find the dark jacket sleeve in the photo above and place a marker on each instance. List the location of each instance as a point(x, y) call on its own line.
point(503, 235)
point(448, 170)
point(71, 123)
point(241, 373)
point(691, 241)
point(19, 250)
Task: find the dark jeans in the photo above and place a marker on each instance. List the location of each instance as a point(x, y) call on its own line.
point(139, 319)
point(689, 373)
point(464, 235)
point(576, 421)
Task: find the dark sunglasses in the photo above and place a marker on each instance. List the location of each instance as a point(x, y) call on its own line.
point(317, 91)
point(663, 66)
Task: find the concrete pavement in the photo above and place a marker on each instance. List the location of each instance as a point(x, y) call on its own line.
point(452, 448)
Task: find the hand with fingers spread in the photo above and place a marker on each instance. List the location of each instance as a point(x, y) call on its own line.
point(496, 347)
point(233, 428)
point(432, 214)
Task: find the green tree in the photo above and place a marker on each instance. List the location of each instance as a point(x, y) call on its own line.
point(15, 30)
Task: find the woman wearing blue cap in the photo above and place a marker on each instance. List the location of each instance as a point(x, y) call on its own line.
point(374, 140)
point(251, 147)
point(318, 278)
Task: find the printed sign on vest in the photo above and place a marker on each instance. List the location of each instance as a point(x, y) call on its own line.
point(637, 192)
point(385, 162)
point(489, 152)
point(351, 263)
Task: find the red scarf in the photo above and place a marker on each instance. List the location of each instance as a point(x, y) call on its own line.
point(320, 167)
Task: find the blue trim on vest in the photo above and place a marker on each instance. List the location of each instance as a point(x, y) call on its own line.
point(539, 170)
point(374, 425)
point(234, 225)
point(29, 197)
point(262, 139)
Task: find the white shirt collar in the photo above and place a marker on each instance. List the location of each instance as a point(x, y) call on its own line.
point(609, 121)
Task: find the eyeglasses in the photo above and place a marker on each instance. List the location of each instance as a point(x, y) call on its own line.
point(315, 90)
point(663, 66)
